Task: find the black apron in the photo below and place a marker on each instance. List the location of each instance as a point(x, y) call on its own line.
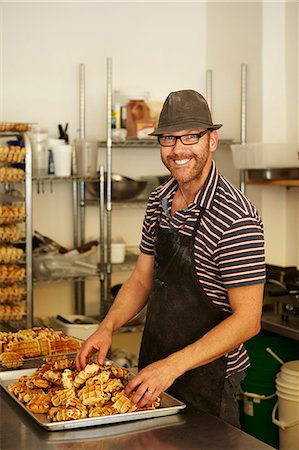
point(178, 313)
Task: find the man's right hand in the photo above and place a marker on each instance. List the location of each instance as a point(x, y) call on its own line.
point(99, 342)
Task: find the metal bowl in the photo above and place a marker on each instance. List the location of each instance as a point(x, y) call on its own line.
point(122, 188)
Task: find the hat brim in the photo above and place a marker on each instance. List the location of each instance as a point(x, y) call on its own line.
point(188, 125)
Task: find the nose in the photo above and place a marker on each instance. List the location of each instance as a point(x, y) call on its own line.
point(178, 145)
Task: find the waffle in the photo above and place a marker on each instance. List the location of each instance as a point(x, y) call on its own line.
point(11, 360)
point(68, 414)
point(28, 348)
point(123, 404)
point(54, 377)
point(89, 371)
point(25, 396)
point(90, 395)
point(17, 387)
point(40, 404)
point(64, 345)
point(61, 397)
point(113, 385)
point(99, 378)
point(102, 410)
point(119, 372)
point(67, 379)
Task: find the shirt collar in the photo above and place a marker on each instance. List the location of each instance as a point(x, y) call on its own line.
point(203, 198)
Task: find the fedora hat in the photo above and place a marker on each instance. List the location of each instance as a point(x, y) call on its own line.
point(184, 110)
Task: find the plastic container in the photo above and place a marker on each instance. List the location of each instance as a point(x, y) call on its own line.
point(77, 330)
point(287, 389)
point(39, 142)
point(86, 157)
point(264, 156)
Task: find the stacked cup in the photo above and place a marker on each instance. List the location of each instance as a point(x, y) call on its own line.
point(62, 155)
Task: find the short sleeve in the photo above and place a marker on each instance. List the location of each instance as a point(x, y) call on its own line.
point(240, 253)
point(149, 227)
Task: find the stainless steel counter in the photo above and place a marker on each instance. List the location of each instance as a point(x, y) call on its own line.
point(184, 431)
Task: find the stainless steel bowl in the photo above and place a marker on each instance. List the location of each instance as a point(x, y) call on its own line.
point(123, 188)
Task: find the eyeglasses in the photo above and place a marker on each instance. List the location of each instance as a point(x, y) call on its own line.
point(186, 139)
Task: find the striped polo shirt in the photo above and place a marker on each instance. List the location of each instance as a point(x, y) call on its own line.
point(228, 246)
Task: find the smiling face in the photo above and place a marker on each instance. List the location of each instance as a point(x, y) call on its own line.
point(190, 163)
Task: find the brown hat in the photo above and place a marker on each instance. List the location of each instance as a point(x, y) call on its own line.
point(184, 110)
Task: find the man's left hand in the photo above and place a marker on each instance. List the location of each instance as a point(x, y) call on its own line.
point(148, 384)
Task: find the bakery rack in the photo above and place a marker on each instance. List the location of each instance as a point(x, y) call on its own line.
point(16, 309)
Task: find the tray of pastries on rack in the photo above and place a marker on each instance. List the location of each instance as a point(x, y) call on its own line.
point(60, 397)
point(28, 347)
point(11, 174)
point(11, 254)
point(12, 273)
point(10, 213)
point(10, 233)
point(15, 126)
point(12, 154)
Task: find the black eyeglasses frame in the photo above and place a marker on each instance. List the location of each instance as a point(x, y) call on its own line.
point(199, 136)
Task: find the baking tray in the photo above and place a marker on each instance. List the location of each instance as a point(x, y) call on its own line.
point(169, 406)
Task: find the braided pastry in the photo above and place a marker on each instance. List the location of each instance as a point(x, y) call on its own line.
point(11, 174)
point(11, 213)
point(13, 293)
point(10, 233)
point(10, 254)
point(12, 273)
point(12, 154)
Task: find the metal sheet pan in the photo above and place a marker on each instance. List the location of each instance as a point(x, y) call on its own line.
point(169, 406)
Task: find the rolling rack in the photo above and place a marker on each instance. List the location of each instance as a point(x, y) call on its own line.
point(16, 228)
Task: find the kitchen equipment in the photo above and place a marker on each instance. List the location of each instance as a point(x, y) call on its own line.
point(123, 188)
point(264, 155)
point(76, 325)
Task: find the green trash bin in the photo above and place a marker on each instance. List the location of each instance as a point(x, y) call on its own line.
point(259, 399)
point(259, 389)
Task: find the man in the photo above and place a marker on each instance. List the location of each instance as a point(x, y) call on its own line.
point(201, 273)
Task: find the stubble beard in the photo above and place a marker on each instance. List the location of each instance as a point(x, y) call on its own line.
point(189, 174)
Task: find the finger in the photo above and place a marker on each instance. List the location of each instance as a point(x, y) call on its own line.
point(132, 385)
point(102, 353)
point(83, 356)
point(146, 399)
point(138, 396)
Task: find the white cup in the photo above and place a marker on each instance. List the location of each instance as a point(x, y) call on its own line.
point(118, 252)
point(62, 160)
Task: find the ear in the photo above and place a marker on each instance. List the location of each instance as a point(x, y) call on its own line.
point(213, 142)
